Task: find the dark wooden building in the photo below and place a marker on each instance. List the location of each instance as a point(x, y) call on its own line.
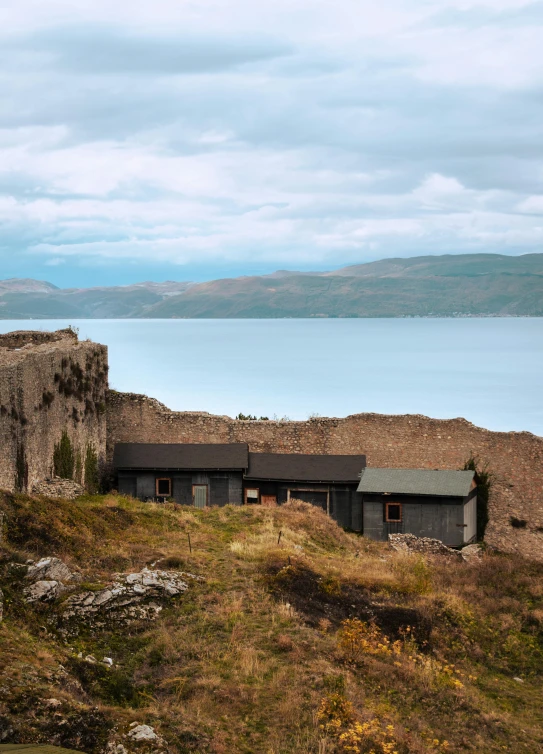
point(217, 474)
point(199, 475)
point(441, 504)
point(328, 481)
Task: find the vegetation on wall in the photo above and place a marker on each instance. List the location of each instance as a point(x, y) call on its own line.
point(21, 468)
point(64, 457)
point(92, 472)
point(484, 480)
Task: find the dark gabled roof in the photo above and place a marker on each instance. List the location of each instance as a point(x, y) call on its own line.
point(132, 455)
point(297, 467)
point(440, 482)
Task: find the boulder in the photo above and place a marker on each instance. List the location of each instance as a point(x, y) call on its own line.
point(142, 733)
point(51, 569)
point(44, 591)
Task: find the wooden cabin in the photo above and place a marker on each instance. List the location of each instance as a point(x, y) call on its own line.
point(218, 474)
point(327, 481)
point(441, 504)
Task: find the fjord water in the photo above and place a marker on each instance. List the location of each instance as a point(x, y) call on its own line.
point(486, 370)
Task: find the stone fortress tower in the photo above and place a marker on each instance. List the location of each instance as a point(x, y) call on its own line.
point(50, 384)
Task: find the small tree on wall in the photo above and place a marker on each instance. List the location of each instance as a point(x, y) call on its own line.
point(92, 473)
point(64, 458)
point(484, 479)
point(21, 469)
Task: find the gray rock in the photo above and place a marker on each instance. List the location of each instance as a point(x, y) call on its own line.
point(143, 733)
point(51, 569)
point(44, 591)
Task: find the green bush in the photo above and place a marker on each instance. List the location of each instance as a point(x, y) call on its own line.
point(92, 474)
point(64, 457)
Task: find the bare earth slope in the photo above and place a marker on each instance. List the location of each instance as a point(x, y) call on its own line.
point(298, 638)
point(450, 285)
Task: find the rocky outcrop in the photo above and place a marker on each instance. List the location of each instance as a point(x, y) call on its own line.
point(58, 487)
point(131, 596)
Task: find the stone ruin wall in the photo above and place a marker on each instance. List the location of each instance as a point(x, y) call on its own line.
point(515, 458)
point(49, 382)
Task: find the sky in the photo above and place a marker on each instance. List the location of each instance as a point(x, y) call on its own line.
point(194, 140)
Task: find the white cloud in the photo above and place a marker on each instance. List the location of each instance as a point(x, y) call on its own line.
point(289, 132)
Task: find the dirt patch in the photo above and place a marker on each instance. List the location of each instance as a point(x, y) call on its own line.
point(318, 598)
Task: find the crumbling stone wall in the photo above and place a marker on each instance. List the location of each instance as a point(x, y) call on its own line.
point(49, 382)
point(515, 458)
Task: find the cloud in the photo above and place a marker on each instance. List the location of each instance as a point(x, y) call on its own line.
point(289, 133)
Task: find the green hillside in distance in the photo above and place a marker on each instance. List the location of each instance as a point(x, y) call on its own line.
point(432, 286)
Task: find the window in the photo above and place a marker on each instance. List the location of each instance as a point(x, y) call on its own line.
point(393, 512)
point(251, 495)
point(164, 487)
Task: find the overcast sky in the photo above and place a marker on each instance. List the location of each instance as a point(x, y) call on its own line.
point(182, 140)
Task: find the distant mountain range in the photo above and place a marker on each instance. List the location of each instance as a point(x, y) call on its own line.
point(438, 286)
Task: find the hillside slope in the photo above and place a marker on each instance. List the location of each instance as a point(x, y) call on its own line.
point(450, 285)
point(299, 638)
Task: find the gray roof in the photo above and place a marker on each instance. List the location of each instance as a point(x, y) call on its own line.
point(417, 482)
point(133, 455)
point(298, 467)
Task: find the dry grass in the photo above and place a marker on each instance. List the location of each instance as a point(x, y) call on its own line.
point(245, 661)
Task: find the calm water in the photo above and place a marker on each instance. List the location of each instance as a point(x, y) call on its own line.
point(486, 370)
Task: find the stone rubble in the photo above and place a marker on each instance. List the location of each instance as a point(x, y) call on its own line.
point(58, 487)
point(426, 545)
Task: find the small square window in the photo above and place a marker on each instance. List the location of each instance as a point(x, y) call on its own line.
point(393, 512)
point(164, 487)
point(251, 495)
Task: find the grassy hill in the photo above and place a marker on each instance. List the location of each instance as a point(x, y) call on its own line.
point(450, 285)
point(315, 641)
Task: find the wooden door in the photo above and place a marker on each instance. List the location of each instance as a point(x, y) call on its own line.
point(268, 500)
point(199, 495)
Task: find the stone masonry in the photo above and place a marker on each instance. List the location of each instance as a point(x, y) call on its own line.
point(49, 382)
point(410, 441)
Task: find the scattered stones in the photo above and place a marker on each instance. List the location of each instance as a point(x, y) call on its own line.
point(425, 545)
point(58, 487)
point(107, 661)
point(130, 597)
point(518, 680)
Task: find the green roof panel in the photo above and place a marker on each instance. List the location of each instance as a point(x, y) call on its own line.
point(441, 482)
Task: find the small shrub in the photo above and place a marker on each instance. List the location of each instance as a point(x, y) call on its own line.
point(356, 638)
point(92, 474)
point(63, 457)
point(484, 479)
point(21, 469)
